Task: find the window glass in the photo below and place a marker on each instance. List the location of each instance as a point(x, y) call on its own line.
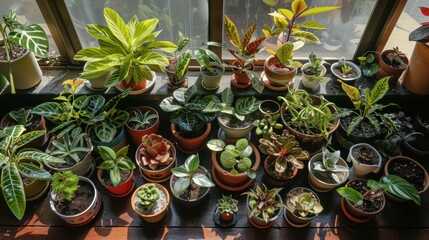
point(189, 17)
point(28, 12)
point(345, 26)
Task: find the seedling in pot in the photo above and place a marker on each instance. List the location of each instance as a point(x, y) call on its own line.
point(329, 165)
point(64, 185)
point(227, 206)
point(346, 70)
point(234, 157)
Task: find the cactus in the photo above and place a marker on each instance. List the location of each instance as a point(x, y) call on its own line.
point(155, 151)
point(148, 195)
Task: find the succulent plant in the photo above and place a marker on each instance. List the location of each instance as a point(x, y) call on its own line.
point(142, 120)
point(70, 148)
point(148, 195)
point(305, 205)
point(227, 204)
point(263, 202)
point(329, 164)
point(283, 153)
point(64, 185)
point(234, 157)
point(266, 125)
point(155, 151)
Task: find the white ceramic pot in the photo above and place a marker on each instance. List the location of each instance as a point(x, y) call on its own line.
point(212, 82)
point(359, 170)
point(26, 72)
point(97, 84)
point(318, 184)
point(306, 79)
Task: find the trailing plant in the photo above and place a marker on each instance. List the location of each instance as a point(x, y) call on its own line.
point(283, 152)
point(266, 125)
point(366, 106)
point(227, 204)
point(263, 202)
point(189, 110)
point(312, 119)
point(70, 148)
point(21, 116)
point(64, 185)
point(395, 185)
point(369, 64)
point(305, 205)
point(187, 175)
point(128, 49)
point(115, 162)
point(141, 120)
point(12, 139)
point(148, 195)
point(29, 37)
point(329, 165)
point(246, 50)
point(155, 151)
point(234, 157)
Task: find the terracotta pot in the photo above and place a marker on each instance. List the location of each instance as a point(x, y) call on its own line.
point(136, 135)
point(276, 75)
point(276, 182)
point(36, 143)
point(117, 142)
point(260, 222)
point(306, 82)
point(34, 189)
point(226, 216)
point(359, 170)
point(387, 70)
point(23, 79)
point(318, 184)
point(155, 217)
point(234, 132)
point(211, 82)
point(235, 180)
point(134, 86)
point(415, 79)
point(268, 107)
point(239, 78)
point(121, 190)
point(87, 215)
point(357, 215)
point(290, 216)
point(190, 145)
point(160, 175)
point(426, 176)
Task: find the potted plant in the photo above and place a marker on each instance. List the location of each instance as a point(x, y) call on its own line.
point(269, 107)
point(327, 170)
point(116, 171)
point(236, 121)
point(364, 199)
point(410, 170)
point(75, 150)
point(155, 156)
point(19, 46)
point(280, 69)
point(284, 158)
point(142, 120)
point(267, 125)
point(226, 210)
point(368, 64)
point(347, 71)
point(421, 122)
point(234, 168)
point(131, 55)
point(190, 182)
point(242, 68)
point(150, 201)
point(74, 199)
point(23, 116)
point(365, 159)
point(302, 206)
point(363, 124)
point(311, 119)
point(264, 206)
point(178, 66)
point(392, 63)
point(415, 77)
point(313, 71)
point(190, 117)
point(211, 65)
point(17, 164)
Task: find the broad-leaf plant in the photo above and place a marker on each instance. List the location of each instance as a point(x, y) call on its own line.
point(115, 162)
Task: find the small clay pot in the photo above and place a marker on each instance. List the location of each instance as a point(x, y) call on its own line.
point(121, 190)
point(190, 145)
point(268, 107)
point(136, 135)
point(387, 70)
point(154, 217)
point(277, 75)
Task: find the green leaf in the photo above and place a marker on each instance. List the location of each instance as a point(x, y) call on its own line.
point(115, 176)
point(105, 132)
point(401, 188)
point(28, 137)
point(107, 165)
point(107, 153)
point(317, 10)
point(355, 122)
point(33, 171)
point(202, 57)
point(32, 38)
point(181, 185)
point(167, 105)
point(298, 6)
point(216, 145)
point(202, 180)
point(306, 37)
point(227, 97)
point(39, 156)
point(192, 163)
point(122, 153)
point(232, 32)
point(350, 194)
point(182, 42)
point(13, 190)
point(117, 26)
point(353, 93)
point(380, 89)
point(180, 172)
point(285, 53)
point(311, 24)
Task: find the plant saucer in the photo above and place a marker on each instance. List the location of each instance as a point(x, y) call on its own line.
point(222, 135)
point(276, 88)
point(207, 88)
point(45, 189)
point(149, 85)
point(256, 225)
point(237, 85)
point(230, 188)
point(218, 220)
point(188, 152)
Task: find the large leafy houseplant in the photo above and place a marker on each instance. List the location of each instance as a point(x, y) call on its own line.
point(128, 49)
point(16, 35)
point(13, 139)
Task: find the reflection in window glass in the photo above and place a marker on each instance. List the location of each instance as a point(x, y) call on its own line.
point(189, 17)
point(27, 11)
point(345, 26)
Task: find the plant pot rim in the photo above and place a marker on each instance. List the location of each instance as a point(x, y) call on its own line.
point(271, 102)
point(100, 172)
point(137, 157)
point(141, 108)
point(383, 200)
point(396, 158)
point(176, 133)
point(160, 187)
point(233, 128)
point(27, 52)
point(206, 189)
point(377, 154)
point(213, 64)
point(94, 199)
point(355, 67)
point(308, 64)
point(356, 136)
point(403, 57)
point(267, 171)
point(411, 147)
point(319, 156)
point(293, 192)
